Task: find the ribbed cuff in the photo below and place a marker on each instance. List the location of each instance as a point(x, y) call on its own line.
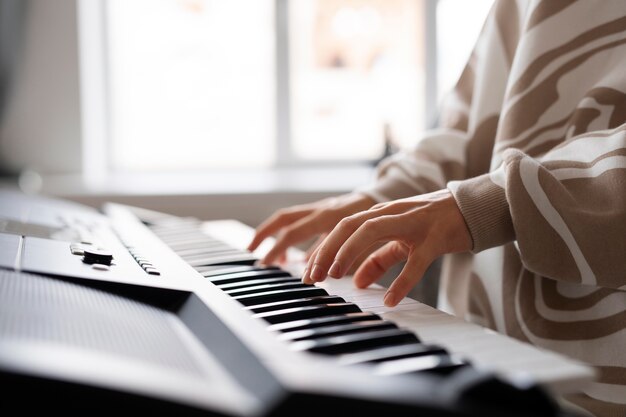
point(486, 211)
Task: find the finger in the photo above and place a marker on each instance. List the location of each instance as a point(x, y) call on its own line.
point(298, 232)
point(325, 261)
point(306, 276)
point(320, 263)
point(314, 246)
point(379, 262)
point(274, 223)
point(371, 232)
point(411, 274)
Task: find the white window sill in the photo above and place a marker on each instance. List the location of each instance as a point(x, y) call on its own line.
point(245, 195)
point(219, 182)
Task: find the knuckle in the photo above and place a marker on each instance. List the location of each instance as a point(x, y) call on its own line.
point(396, 251)
point(372, 225)
point(346, 222)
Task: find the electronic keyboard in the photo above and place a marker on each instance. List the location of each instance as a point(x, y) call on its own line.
point(131, 310)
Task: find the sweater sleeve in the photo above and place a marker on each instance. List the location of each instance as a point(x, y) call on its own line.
point(566, 210)
point(467, 123)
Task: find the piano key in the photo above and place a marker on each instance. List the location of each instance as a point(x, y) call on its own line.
point(247, 276)
point(191, 243)
point(240, 259)
point(175, 224)
point(256, 282)
point(196, 244)
point(299, 313)
point(299, 302)
point(265, 287)
point(280, 295)
point(182, 233)
point(355, 342)
point(339, 329)
point(189, 239)
point(208, 252)
point(210, 271)
point(391, 352)
point(323, 321)
point(437, 364)
point(173, 232)
point(198, 251)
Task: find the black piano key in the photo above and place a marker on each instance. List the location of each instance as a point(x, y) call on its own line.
point(391, 353)
point(280, 295)
point(435, 364)
point(323, 321)
point(238, 259)
point(299, 302)
point(256, 282)
point(265, 287)
point(211, 257)
point(299, 313)
point(340, 329)
point(247, 276)
point(211, 271)
point(355, 342)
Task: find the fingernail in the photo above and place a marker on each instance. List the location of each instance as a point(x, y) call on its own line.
point(335, 270)
point(389, 299)
point(317, 273)
point(305, 276)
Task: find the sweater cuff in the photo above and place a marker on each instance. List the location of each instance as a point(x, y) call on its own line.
point(486, 211)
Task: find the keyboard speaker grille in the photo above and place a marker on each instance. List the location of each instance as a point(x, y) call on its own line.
point(36, 308)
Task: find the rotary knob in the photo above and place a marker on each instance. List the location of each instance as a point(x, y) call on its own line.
point(97, 256)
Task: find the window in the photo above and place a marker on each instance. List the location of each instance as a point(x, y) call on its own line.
point(357, 76)
point(202, 84)
point(191, 83)
point(458, 25)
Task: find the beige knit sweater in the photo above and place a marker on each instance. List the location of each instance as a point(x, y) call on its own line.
point(532, 144)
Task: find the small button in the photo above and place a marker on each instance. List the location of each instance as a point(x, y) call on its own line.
point(152, 271)
point(145, 264)
point(100, 267)
point(77, 251)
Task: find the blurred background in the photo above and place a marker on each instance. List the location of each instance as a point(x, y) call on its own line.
point(220, 108)
point(124, 98)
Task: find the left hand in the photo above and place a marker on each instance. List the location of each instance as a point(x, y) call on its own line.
point(416, 229)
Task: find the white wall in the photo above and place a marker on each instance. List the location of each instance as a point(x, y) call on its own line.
point(41, 129)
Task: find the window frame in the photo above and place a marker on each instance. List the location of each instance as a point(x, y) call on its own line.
point(95, 119)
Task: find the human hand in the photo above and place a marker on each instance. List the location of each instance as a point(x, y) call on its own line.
point(299, 223)
point(417, 229)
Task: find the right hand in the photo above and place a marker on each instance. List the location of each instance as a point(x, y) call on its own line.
point(299, 223)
